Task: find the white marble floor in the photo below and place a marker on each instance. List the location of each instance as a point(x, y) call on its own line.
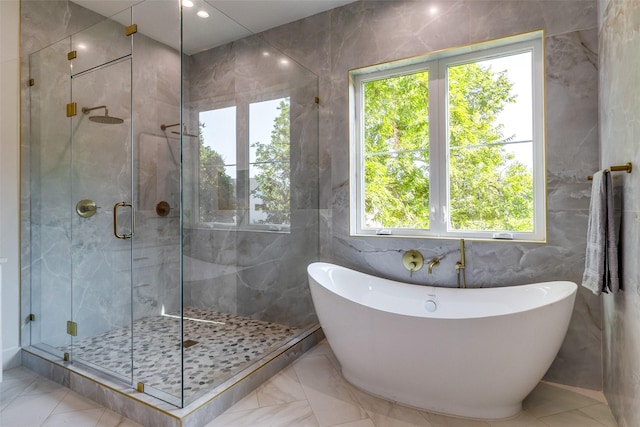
point(311, 392)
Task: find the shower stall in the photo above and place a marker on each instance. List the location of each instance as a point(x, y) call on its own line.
point(172, 202)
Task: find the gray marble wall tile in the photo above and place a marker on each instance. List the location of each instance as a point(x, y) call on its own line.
point(620, 136)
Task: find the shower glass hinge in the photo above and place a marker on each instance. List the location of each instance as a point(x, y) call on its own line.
point(66, 357)
point(140, 387)
point(131, 29)
point(72, 328)
point(32, 82)
point(72, 55)
point(71, 109)
point(31, 317)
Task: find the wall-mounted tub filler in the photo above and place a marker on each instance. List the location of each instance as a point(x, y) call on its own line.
point(460, 267)
point(433, 263)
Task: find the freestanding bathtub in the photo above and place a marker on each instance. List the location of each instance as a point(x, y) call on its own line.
point(473, 353)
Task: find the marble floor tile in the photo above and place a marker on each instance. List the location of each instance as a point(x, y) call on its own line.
point(388, 414)
point(73, 402)
point(570, 419)
point(327, 391)
point(250, 401)
point(438, 420)
point(600, 413)
point(546, 400)
point(84, 418)
point(31, 410)
point(284, 387)
point(297, 414)
point(309, 393)
point(524, 419)
point(113, 419)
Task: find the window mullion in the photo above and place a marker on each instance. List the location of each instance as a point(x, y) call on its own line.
point(437, 145)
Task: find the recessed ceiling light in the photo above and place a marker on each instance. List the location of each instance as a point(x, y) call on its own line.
point(187, 3)
point(202, 14)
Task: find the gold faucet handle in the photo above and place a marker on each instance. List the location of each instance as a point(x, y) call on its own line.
point(412, 261)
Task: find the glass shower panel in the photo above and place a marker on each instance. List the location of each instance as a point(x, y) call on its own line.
point(156, 261)
point(245, 283)
point(50, 198)
point(102, 226)
point(102, 43)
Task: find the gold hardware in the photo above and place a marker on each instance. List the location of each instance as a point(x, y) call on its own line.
point(115, 220)
point(619, 168)
point(140, 387)
point(432, 264)
point(66, 357)
point(317, 100)
point(32, 82)
point(412, 260)
point(31, 317)
point(460, 265)
point(86, 208)
point(163, 208)
point(72, 328)
point(72, 55)
point(131, 29)
point(72, 109)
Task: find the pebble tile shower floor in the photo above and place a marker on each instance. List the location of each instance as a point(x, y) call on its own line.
point(224, 345)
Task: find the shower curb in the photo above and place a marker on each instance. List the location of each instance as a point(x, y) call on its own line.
point(153, 412)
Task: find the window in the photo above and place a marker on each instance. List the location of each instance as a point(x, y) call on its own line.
point(244, 170)
point(451, 144)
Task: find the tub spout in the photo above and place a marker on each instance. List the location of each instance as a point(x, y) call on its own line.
point(432, 264)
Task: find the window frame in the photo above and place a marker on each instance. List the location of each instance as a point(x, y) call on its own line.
point(437, 63)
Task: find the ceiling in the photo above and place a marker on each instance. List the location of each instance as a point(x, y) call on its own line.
point(228, 19)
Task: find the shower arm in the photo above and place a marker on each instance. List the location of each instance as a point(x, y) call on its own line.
point(165, 127)
point(86, 110)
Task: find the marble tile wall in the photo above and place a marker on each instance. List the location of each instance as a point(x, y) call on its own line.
point(368, 32)
point(619, 142)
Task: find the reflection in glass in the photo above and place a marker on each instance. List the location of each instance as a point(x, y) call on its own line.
point(217, 179)
point(269, 162)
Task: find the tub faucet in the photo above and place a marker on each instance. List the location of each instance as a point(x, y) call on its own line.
point(432, 264)
point(460, 267)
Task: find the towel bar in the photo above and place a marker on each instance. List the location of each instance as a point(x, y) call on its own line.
point(627, 167)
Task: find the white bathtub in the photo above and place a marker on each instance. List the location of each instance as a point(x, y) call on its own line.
point(478, 354)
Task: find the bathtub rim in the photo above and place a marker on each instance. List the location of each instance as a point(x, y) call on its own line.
point(569, 291)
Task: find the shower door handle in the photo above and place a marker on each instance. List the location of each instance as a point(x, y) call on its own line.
point(115, 220)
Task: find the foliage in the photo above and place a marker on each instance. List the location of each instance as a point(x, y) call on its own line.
point(273, 166)
point(216, 188)
point(396, 127)
point(489, 188)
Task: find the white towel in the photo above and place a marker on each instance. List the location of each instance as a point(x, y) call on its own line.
point(601, 263)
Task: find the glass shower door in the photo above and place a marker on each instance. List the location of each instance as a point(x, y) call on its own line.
point(103, 226)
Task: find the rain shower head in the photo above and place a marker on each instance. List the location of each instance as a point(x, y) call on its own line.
point(106, 119)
